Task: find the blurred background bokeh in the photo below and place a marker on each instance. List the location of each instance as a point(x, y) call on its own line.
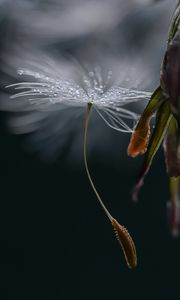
point(55, 241)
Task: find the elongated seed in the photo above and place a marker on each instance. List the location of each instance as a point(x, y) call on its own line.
point(126, 243)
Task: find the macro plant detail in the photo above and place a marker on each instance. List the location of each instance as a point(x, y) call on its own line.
point(165, 103)
point(50, 86)
point(48, 90)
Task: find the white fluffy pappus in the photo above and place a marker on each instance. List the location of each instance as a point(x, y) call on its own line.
point(51, 91)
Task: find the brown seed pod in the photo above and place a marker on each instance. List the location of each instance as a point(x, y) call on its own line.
point(139, 139)
point(126, 243)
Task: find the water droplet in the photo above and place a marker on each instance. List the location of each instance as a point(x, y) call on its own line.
point(20, 72)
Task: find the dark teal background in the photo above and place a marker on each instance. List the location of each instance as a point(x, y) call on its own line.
point(56, 242)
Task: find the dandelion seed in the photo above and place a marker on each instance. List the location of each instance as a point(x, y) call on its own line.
point(49, 89)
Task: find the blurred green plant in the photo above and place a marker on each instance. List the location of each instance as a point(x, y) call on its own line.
point(165, 103)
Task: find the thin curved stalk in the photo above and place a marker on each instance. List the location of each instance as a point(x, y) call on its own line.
point(88, 111)
point(122, 234)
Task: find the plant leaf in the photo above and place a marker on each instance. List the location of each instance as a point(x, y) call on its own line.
point(170, 74)
point(170, 69)
point(140, 137)
point(163, 119)
point(171, 147)
point(174, 24)
point(173, 206)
